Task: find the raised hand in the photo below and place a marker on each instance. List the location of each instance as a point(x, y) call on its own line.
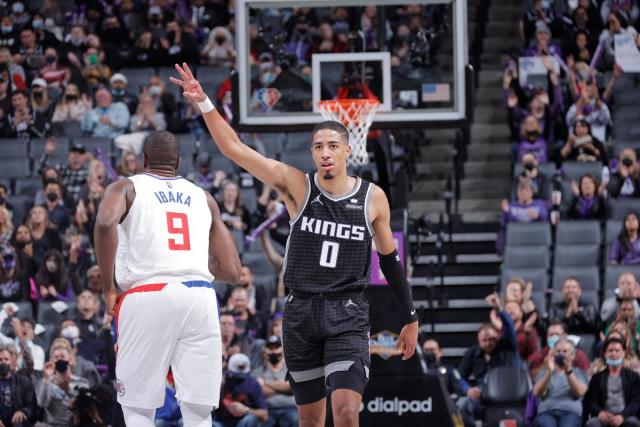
point(191, 88)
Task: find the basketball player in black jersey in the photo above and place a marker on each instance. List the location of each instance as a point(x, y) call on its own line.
point(334, 218)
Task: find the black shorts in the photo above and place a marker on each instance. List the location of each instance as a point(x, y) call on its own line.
point(322, 336)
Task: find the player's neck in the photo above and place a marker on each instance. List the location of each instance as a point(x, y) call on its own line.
point(338, 185)
point(160, 171)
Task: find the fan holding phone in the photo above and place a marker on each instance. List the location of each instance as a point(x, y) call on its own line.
point(560, 388)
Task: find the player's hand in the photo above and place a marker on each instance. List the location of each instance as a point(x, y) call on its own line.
point(110, 303)
point(408, 339)
point(191, 88)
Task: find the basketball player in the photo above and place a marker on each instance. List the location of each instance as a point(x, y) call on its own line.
point(157, 231)
point(334, 218)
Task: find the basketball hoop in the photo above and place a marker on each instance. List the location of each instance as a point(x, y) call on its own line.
point(356, 115)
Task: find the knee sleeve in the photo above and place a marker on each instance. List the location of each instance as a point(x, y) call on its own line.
point(138, 417)
point(196, 415)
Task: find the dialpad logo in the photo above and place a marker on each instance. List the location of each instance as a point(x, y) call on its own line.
point(397, 406)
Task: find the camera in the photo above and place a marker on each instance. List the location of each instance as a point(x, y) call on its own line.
point(559, 359)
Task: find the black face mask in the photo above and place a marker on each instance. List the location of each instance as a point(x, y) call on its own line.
point(70, 97)
point(533, 135)
point(51, 196)
point(21, 245)
point(274, 358)
point(4, 369)
point(62, 366)
point(430, 357)
point(529, 166)
point(220, 40)
point(627, 162)
point(171, 36)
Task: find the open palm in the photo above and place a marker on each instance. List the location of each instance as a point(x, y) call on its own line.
point(191, 88)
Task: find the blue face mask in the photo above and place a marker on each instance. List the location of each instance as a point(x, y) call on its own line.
point(117, 92)
point(37, 24)
point(552, 340)
point(614, 362)
point(7, 29)
point(18, 8)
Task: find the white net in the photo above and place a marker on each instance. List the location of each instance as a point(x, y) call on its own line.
point(356, 115)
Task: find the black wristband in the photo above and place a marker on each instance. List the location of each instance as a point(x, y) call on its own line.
point(394, 273)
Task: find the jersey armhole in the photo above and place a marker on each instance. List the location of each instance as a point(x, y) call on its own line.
point(133, 203)
point(307, 194)
point(367, 219)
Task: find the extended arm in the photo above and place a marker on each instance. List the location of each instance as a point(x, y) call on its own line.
point(112, 209)
point(393, 270)
point(289, 181)
point(224, 261)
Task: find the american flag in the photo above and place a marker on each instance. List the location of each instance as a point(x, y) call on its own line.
point(435, 92)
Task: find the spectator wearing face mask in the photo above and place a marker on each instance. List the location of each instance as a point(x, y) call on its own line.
point(53, 72)
point(58, 388)
point(14, 282)
point(52, 278)
point(625, 181)
point(72, 106)
point(94, 71)
point(626, 248)
point(46, 38)
point(69, 339)
point(588, 201)
point(276, 389)
point(242, 402)
point(114, 34)
point(19, 14)
point(120, 93)
point(449, 375)
point(531, 173)
point(613, 396)
point(219, 49)
point(8, 34)
point(58, 212)
point(181, 45)
point(532, 140)
point(19, 405)
point(555, 332)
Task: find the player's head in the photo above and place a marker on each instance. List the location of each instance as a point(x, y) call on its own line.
point(330, 148)
point(161, 151)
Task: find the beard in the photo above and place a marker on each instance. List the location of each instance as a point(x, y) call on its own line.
point(328, 176)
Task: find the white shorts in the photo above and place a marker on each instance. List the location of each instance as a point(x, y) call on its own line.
point(168, 325)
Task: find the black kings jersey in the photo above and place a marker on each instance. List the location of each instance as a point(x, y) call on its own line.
point(329, 246)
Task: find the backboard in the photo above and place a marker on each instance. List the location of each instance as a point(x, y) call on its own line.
point(291, 54)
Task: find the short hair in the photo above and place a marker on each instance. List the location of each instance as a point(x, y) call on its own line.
point(613, 340)
point(19, 92)
point(335, 126)
point(9, 348)
point(227, 313)
point(162, 149)
point(574, 278)
point(571, 344)
point(557, 323)
point(488, 326)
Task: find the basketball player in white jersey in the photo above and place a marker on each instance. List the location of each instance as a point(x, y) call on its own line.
point(164, 239)
point(335, 218)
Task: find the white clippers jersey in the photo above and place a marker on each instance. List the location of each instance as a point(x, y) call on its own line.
point(165, 235)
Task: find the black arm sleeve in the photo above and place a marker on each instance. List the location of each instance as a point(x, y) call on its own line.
point(394, 272)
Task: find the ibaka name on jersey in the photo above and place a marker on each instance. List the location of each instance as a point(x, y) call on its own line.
point(173, 197)
point(332, 229)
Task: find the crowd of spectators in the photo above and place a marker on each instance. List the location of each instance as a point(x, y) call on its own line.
point(571, 162)
point(66, 79)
